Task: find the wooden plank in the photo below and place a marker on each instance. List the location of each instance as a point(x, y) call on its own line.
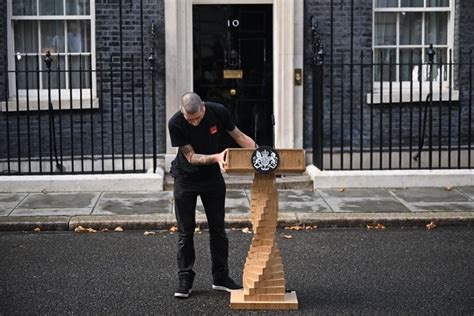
point(238, 160)
point(290, 302)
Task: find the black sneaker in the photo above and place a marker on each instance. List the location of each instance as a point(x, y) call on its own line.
point(225, 284)
point(184, 289)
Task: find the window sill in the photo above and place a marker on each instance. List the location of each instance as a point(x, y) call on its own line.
point(407, 97)
point(66, 104)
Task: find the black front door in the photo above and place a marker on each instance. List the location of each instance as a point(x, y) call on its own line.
point(233, 65)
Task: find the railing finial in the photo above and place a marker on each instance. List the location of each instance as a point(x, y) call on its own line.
point(48, 60)
point(317, 45)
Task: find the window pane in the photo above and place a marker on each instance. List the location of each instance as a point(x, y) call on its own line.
point(410, 28)
point(55, 79)
point(77, 75)
point(78, 36)
point(21, 72)
point(436, 28)
point(77, 7)
point(386, 3)
point(382, 58)
point(24, 7)
point(51, 7)
point(385, 28)
point(409, 64)
point(52, 36)
point(441, 55)
point(437, 3)
point(412, 3)
point(26, 36)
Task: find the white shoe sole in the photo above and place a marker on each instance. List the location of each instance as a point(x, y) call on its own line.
point(221, 288)
point(182, 295)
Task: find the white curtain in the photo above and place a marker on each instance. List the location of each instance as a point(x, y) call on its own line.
point(412, 3)
point(437, 3)
point(436, 28)
point(385, 28)
point(24, 7)
point(51, 7)
point(410, 28)
point(386, 3)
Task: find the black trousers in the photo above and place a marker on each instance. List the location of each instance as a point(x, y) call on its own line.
point(212, 194)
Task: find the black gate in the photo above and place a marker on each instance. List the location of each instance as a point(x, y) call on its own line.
point(103, 113)
point(387, 108)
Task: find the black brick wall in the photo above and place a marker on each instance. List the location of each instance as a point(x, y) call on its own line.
point(3, 47)
point(342, 96)
point(108, 46)
point(108, 49)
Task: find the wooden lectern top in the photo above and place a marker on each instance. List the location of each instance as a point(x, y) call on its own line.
point(239, 160)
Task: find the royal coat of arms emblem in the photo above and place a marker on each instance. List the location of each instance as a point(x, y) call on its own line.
point(265, 159)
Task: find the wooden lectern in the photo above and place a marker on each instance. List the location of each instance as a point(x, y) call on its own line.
point(263, 279)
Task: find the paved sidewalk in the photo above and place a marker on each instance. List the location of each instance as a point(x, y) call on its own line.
point(155, 210)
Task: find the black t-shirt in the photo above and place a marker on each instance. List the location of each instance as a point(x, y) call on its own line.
point(203, 138)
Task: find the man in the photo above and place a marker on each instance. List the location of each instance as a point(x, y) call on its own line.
point(197, 171)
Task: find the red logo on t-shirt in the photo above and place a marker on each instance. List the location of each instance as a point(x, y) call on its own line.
point(213, 130)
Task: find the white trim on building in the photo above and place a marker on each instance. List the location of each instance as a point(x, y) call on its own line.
point(59, 97)
point(287, 56)
point(381, 93)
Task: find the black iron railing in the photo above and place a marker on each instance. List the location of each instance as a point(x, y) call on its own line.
point(100, 115)
point(372, 112)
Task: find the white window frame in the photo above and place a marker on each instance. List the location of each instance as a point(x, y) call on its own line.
point(406, 96)
point(63, 95)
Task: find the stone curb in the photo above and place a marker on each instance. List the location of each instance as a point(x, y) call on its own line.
point(390, 178)
point(29, 223)
point(165, 221)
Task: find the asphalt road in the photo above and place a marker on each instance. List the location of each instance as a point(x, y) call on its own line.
point(334, 271)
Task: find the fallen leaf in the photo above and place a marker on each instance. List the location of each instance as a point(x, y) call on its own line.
point(379, 227)
point(118, 229)
point(147, 233)
point(37, 229)
point(294, 228)
point(431, 225)
point(173, 229)
point(287, 236)
point(309, 227)
point(369, 227)
point(246, 230)
point(197, 229)
point(104, 230)
point(341, 190)
point(448, 188)
point(80, 229)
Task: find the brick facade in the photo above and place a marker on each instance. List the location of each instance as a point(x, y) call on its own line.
point(344, 93)
point(107, 48)
point(362, 43)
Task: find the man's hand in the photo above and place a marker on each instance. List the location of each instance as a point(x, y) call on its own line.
point(220, 159)
point(198, 159)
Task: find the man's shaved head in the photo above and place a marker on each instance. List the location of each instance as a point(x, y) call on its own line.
point(191, 102)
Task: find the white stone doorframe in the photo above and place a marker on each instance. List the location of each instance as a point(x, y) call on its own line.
point(287, 56)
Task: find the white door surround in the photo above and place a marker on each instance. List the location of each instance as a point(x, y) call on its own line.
point(287, 56)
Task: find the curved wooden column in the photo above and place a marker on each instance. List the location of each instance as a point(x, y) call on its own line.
point(264, 278)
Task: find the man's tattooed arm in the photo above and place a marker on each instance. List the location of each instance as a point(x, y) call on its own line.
point(196, 159)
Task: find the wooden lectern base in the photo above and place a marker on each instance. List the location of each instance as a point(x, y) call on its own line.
point(264, 278)
point(237, 302)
